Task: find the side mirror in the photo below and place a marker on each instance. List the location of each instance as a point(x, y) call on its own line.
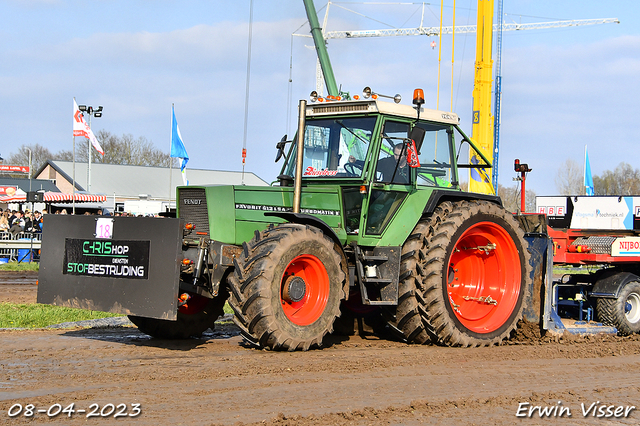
point(417, 135)
point(280, 147)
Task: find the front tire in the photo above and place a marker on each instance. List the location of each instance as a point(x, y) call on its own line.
point(477, 271)
point(287, 287)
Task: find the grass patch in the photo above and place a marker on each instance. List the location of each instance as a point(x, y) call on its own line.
point(15, 266)
point(575, 270)
point(14, 315)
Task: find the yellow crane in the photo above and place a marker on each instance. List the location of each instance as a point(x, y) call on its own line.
point(482, 125)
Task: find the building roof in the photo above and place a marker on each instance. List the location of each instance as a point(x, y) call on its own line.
point(133, 181)
point(36, 184)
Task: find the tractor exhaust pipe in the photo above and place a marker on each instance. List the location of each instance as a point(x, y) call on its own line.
point(297, 186)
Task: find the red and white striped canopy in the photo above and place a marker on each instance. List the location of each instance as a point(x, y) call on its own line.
point(52, 197)
point(16, 198)
point(83, 198)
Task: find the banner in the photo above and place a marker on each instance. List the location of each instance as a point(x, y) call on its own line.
point(8, 190)
point(81, 128)
point(16, 169)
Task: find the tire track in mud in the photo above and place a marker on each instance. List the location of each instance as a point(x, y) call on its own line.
point(500, 410)
point(356, 381)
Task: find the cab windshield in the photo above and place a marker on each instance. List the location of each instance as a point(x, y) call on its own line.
point(334, 147)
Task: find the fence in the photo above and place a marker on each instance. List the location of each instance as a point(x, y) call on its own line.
point(22, 247)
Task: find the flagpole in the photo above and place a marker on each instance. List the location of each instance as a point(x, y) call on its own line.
point(74, 163)
point(170, 157)
point(89, 166)
point(584, 170)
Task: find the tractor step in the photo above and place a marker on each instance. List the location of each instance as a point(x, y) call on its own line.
point(377, 273)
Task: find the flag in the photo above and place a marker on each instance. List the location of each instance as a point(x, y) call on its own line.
point(81, 128)
point(412, 155)
point(177, 147)
point(588, 180)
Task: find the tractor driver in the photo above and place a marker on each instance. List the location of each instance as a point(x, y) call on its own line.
point(387, 165)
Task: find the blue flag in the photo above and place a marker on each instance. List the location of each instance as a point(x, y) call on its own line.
point(588, 180)
point(177, 147)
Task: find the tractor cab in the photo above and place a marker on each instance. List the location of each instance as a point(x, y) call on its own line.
point(378, 153)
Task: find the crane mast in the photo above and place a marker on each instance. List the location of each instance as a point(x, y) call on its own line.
point(498, 101)
point(482, 125)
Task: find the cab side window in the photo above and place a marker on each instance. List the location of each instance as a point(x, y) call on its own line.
point(392, 159)
point(436, 165)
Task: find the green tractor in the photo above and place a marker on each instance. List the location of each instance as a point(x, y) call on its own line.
point(366, 216)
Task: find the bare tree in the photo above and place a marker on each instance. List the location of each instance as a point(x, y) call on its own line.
point(570, 179)
point(511, 198)
point(624, 180)
point(39, 156)
point(123, 149)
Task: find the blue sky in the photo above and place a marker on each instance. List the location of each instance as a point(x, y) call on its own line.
point(562, 88)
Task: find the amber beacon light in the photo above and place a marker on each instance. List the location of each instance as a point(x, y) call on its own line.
point(418, 97)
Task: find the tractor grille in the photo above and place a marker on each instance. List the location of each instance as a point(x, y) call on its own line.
point(193, 208)
point(599, 245)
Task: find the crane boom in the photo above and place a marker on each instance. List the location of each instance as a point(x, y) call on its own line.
point(462, 29)
point(321, 48)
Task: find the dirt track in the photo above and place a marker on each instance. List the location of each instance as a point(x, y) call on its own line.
point(219, 380)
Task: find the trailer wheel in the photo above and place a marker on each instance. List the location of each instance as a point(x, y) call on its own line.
point(623, 312)
point(287, 287)
point(194, 319)
point(477, 270)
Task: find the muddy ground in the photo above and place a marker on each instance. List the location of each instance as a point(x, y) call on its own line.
point(218, 380)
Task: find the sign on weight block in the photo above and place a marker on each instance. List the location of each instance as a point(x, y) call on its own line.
point(132, 269)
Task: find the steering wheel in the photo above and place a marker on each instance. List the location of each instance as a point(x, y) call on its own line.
point(351, 168)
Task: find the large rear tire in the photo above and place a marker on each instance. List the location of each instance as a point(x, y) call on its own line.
point(623, 312)
point(287, 287)
point(410, 318)
point(477, 270)
point(199, 315)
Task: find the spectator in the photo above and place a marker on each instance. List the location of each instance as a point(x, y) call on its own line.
point(28, 221)
point(4, 222)
point(16, 218)
point(17, 226)
point(37, 222)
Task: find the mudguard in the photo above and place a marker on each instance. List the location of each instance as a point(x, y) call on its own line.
point(610, 286)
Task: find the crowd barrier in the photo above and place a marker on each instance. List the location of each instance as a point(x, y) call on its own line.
point(22, 247)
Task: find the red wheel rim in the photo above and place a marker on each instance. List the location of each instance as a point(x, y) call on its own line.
point(194, 305)
point(316, 290)
point(484, 277)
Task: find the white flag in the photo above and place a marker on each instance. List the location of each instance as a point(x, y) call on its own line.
point(81, 128)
